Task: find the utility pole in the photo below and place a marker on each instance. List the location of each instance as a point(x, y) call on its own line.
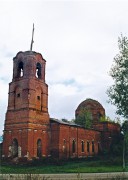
point(123, 154)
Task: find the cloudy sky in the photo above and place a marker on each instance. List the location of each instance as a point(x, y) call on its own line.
point(78, 39)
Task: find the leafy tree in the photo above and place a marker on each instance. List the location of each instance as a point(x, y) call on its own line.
point(117, 120)
point(118, 93)
point(72, 120)
point(116, 147)
point(105, 119)
point(84, 118)
point(64, 120)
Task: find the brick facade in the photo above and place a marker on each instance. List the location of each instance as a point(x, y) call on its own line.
point(94, 107)
point(71, 140)
point(27, 118)
point(28, 130)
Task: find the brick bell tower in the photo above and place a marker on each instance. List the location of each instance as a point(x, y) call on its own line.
point(27, 128)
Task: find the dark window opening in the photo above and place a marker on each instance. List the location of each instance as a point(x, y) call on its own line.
point(93, 146)
point(20, 69)
point(14, 148)
point(88, 147)
point(82, 146)
point(64, 141)
point(98, 147)
point(18, 95)
point(99, 115)
point(38, 97)
point(38, 70)
point(39, 148)
point(73, 146)
point(64, 146)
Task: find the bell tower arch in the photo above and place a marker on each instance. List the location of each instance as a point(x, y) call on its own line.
point(27, 117)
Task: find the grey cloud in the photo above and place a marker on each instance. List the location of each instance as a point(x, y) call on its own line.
point(77, 38)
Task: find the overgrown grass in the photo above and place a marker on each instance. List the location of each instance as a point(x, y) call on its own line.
point(60, 169)
point(70, 166)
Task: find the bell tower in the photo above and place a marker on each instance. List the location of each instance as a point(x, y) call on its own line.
point(27, 128)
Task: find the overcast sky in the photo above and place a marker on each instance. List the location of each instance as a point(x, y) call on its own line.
point(78, 39)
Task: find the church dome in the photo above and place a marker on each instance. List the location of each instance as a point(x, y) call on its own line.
point(94, 107)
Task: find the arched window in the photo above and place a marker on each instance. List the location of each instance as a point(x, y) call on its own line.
point(38, 70)
point(99, 115)
point(20, 69)
point(14, 148)
point(64, 146)
point(93, 148)
point(82, 146)
point(98, 147)
point(73, 146)
point(39, 148)
point(64, 142)
point(88, 146)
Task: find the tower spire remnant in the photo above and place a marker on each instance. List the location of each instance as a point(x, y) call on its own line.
point(32, 41)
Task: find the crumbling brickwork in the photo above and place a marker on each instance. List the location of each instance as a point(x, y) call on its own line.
point(94, 107)
point(28, 130)
point(70, 140)
point(27, 118)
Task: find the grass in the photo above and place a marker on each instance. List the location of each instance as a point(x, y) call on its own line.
point(54, 169)
point(70, 166)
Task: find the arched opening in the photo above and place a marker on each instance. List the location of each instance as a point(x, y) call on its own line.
point(38, 70)
point(64, 146)
point(64, 142)
point(88, 147)
point(39, 148)
point(99, 116)
point(73, 146)
point(99, 148)
point(20, 69)
point(14, 148)
point(82, 146)
point(93, 148)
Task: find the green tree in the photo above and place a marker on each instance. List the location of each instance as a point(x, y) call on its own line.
point(116, 147)
point(84, 118)
point(105, 119)
point(118, 93)
point(117, 120)
point(64, 120)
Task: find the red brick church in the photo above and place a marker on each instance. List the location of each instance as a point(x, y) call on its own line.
point(30, 132)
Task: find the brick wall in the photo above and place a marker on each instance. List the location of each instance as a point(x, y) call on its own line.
point(64, 135)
